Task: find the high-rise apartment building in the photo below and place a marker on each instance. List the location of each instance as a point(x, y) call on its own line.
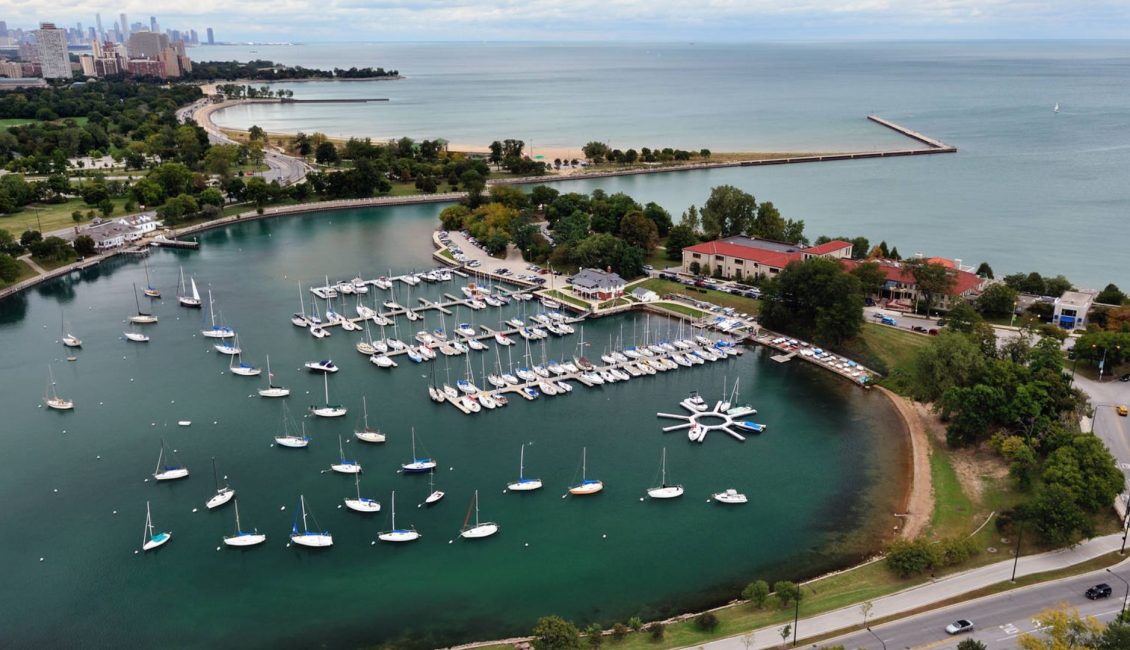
point(98, 23)
point(51, 46)
point(147, 45)
point(153, 24)
point(125, 27)
point(211, 37)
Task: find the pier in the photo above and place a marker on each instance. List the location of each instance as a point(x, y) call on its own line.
point(936, 146)
point(164, 242)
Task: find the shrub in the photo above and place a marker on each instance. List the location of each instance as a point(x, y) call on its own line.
point(636, 623)
point(706, 621)
point(756, 592)
point(656, 630)
point(619, 631)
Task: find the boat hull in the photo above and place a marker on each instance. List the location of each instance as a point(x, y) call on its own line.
point(292, 442)
point(221, 497)
point(171, 474)
point(363, 505)
point(245, 539)
point(418, 466)
point(156, 541)
point(274, 392)
point(434, 497)
point(525, 485)
point(399, 536)
point(480, 531)
point(666, 492)
point(369, 436)
point(586, 488)
point(313, 540)
point(346, 468)
point(329, 412)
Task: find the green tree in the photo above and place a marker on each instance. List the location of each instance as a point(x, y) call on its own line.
point(691, 219)
point(571, 229)
point(638, 230)
point(595, 151)
point(679, 238)
point(174, 178)
point(971, 644)
point(661, 217)
point(1116, 636)
point(872, 277)
point(619, 632)
point(985, 271)
point(787, 592)
point(756, 592)
point(1057, 519)
point(220, 158)
point(997, 300)
point(1086, 470)
point(932, 280)
point(1057, 286)
point(656, 630)
point(1111, 295)
point(595, 635)
point(728, 211)
point(496, 153)
point(555, 633)
point(815, 299)
point(256, 133)
point(636, 623)
point(211, 196)
point(84, 245)
point(474, 184)
point(543, 195)
point(326, 154)
point(106, 207)
point(706, 621)
point(9, 268)
point(257, 191)
point(768, 224)
point(949, 360)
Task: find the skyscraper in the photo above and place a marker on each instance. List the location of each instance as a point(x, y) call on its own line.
point(51, 43)
point(211, 39)
point(125, 27)
point(147, 45)
point(98, 22)
point(153, 24)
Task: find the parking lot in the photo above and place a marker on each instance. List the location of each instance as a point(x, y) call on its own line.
point(467, 251)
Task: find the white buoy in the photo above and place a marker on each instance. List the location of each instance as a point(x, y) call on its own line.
point(373, 543)
point(115, 512)
point(56, 490)
point(605, 536)
point(135, 552)
point(527, 543)
point(641, 499)
point(282, 507)
point(194, 509)
point(98, 458)
point(217, 548)
point(450, 541)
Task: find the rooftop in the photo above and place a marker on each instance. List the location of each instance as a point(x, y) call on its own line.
point(597, 279)
point(1076, 298)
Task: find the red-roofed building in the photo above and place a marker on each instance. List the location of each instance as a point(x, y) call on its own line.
point(745, 257)
point(901, 290)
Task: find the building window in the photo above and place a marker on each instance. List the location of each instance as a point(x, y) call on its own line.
point(738, 262)
point(718, 258)
point(696, 256)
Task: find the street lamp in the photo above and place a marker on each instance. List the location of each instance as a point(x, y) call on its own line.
point(877, 638)
point(1125, 531)
point(1016, 559)
point(1127, 596)
point(796, 614)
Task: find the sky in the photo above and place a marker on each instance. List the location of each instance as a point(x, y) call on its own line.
point(600, 20)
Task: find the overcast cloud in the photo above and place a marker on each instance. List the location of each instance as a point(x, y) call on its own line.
point(635, 20)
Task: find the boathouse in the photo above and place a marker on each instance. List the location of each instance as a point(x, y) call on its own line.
point(741, 257)
point(595, 284)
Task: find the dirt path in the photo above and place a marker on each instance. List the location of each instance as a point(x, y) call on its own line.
point(920, 501)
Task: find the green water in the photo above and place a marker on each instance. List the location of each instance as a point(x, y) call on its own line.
point(822, 481)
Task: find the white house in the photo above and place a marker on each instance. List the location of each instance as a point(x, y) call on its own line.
point(1071, 309)
point(595, 284)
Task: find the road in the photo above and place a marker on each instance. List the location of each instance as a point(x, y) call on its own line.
point(287, 170)
point(998, 619)
point(1113, 429)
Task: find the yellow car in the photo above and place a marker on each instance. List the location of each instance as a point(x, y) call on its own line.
point(1121, 410)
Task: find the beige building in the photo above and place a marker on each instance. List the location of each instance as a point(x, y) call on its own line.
point(741, 257)
point(51, 50)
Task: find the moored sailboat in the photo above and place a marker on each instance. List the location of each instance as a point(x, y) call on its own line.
point(223, 493)
point(523, 484)
point(665, 491)
point(397, 535)
point(306, 537)
point(479, 530)
point(142, 318)
point(167, 472)
point(328, 410)
point(272, 390)
point(586, 486)
point(51, 397)
point(149, 539)
point(242, 538)
point(417, 464)
point(362, 504)
point(367, 433)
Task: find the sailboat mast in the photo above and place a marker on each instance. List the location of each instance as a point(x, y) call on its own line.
point(215, 475)
point(302, 498)
point(522, 463)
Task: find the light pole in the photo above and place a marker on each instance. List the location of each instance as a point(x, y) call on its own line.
point(1127, 596)
point(1125, 531)
point(877, 638)
point(796, 614)
point(1016, 560)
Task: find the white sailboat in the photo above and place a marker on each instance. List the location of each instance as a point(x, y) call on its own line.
point(298, 318)
point(141, 318)
point(434, 495)
point(328, 410)
point(223, 494)
point(149, 539)
point(69, 340)
point(166, 472)
point(586, 486)
point(215, 331)
point(1056, 108)
point(242, 538)
point(51, 398)
point(417, 465)
point(185, 299)
point(243, 369)
point(136, 337)
point(362, 504)
point(479, 530)
point(665, 491)
point(307, 538)
point(150, 290)
point(523, 484)
point(344, 465)
point(289, 437)
point(398, 534)
point(272, 390)
point(365, 433)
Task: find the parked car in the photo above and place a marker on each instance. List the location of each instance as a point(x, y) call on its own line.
point(959, 626)
point(648, 267)
point(1121, 408)
point(933, 332)
point(1101, 590)
point(887, 320)
point(919, 328)
point(1125, 377)
point(877, 316)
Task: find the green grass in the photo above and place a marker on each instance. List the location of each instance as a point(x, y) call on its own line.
point(15, 121)
point(53, 216)
point(680, 308)
point(884, 349)
point(953, 509)
point(720, 298)
point(557, 295)
point(25, 273)
point(447, 254)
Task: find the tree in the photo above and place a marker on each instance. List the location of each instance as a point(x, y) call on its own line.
point(496, 153)
point(258, 191)
point(555, 633)
point(619, 631)
point(1111, 295)
point(1116, 636)
point(950, 359)
point(256, 133)
point(1061, 629)
point(815, 299)
point(728, 211)
point(971, 644)
point(173, 178)
point(326, 154)
point(84, 245)
point(1058, 520)
point(220, 158)
point(691, 220)
point(636, 623)
point(661, 217)
point(768, 224)
point(787, 592)
point(931, 279)
point(211, 196)
point(985, 271)
point(679, 238)
point(997, 300)
point(30, 237)
point(1086, 470)
point(595, 635)
point(786, 632)
point(1057, 286)
point(543, 195)
point(872, 277)
point(595, 151)
point(10, 268)
point(106, 207)
point(656, 630)
point(571, 229)
point(638, 230)
point(756, 592)
point(706, 621)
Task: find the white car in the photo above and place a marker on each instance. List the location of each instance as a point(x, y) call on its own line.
point(959, 626)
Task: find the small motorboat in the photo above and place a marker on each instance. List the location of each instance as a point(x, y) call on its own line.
point(730, 496)
point(325, 365)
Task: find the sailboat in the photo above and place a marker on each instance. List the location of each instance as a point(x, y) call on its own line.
point(185, 299)
point(223, 494)
point(587, 485)
point(69, 340)
point(150, 290)
point(149, 539)
point(344, 466)
point(141, 318)
point(523, 484)
point(479, 530)
point(328, 410)
point(362, 504)
point(1056, 108)
point(365, 433)
point(272, 390)
point(136, 337)
point(665, 491)
point(307, 538)
point(168, 472)
point(215, 331)
point(289, 437)
point(398, 534)
point(434, 495)
point(243, 369)
point(241, 538)
point(51, 398)
point(299, 317)
point(417, 464)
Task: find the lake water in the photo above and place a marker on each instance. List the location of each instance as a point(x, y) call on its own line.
point(1028, 189)
point(822, 481)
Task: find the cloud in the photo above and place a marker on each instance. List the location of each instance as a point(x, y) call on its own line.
point(374, 20)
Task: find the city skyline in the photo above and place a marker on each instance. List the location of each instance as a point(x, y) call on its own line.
point(621, 20)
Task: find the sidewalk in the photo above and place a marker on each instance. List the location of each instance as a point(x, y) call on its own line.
point(927, 594)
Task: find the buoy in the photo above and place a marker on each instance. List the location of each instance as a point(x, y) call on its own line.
point(194, 509)
point(131, 378)
point(605, 536)
point(135, 552)
point(98, 458)
point(641, 499)
point(99, 403)
point(56, 490)
point(40, 559)
point(372, 542)
point(217, 548)
point(450, 541)
point(339, 506)
point(282, 507)
point(564, 495)
point(288, 545)
point(527, 543)
point(146, 480)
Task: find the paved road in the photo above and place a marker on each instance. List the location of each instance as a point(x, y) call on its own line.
point(999, 619)
point(1113, 429)
point(949, 587)
point(287, 170)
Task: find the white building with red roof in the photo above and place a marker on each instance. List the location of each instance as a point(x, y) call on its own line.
point(744, 258)
point(901, 290)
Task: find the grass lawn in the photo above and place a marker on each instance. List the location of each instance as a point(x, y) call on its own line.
point(53, 216)
point(557, 295)
point(664, 287)
point(884, 349)
point(681, 308)
point(25, 273)
point(447, 254)
point(15, 121)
